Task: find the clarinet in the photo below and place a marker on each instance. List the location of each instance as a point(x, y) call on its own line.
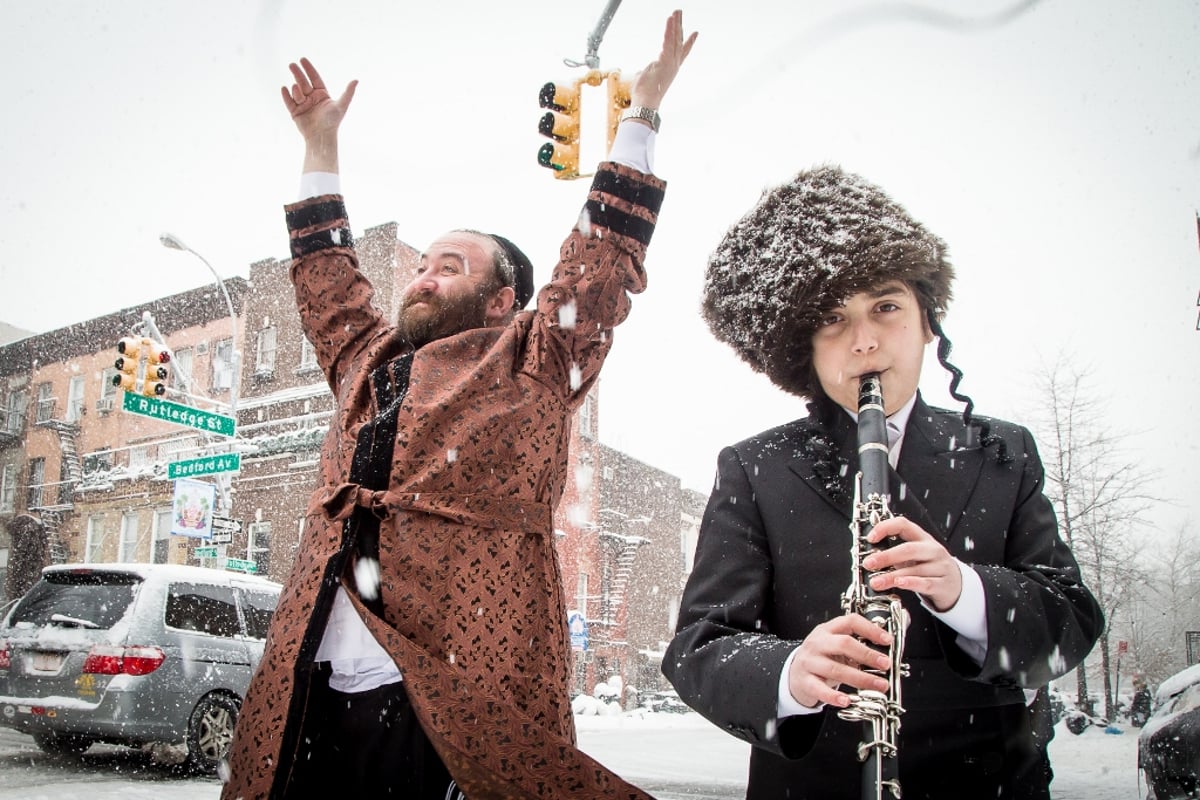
point(878, 711)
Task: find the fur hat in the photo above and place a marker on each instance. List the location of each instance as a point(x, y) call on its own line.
point(522, 270)
point(808, 246)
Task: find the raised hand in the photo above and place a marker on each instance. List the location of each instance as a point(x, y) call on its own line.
point(316, 114)
point(651, 83)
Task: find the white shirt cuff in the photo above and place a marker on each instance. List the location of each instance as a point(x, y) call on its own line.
point(633, 146)
point(786, 705)
point(968, 617)
point(315, 184)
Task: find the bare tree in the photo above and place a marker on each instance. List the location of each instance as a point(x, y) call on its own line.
point(1099, 496)
point(1167, 606)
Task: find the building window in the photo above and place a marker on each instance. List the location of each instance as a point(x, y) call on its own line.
point(37, 482)
point(308, 355)
point(222, 364)
point(258, 547)
point(15, 411)
point(581, 594)
point(75, 398)
point(108, 391)
point(45, 402)
point(141, 455)
point(95, 539)
point(264, 365)
point(66, 486)
point(184, 358)
point(162, 536)
point(99, 461)
point(174, 449)
point(587, 417)
point(129, 538)
point(8, 488)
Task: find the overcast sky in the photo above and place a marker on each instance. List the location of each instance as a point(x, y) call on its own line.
point(1054, 145)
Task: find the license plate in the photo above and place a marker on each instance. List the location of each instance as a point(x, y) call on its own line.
point(47, 662)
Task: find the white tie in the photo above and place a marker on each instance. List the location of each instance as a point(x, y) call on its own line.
point(893, 434)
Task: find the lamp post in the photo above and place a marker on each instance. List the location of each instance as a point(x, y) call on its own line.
point(224, 480)
point(174, 242)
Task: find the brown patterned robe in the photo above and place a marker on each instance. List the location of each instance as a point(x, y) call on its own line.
point(474, 614)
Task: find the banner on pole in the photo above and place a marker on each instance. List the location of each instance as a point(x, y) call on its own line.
point(192, 510)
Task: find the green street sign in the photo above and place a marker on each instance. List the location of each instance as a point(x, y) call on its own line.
point(240, 565)
point(208, 465)
point(178, 414)
point(206, 552)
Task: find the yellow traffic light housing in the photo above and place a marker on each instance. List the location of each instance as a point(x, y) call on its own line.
point(618, 100)
point(140, 366)
point(560, 123)
point(127, 363)
point(154, 382)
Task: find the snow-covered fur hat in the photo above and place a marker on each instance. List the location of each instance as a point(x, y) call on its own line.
point(806, 247)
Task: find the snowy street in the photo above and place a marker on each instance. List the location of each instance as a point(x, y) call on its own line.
point(673, 756)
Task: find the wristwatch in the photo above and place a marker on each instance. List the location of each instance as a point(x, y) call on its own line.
point(641, 112)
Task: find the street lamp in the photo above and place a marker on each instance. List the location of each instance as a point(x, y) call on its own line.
point(224, 480)
point(174, 242)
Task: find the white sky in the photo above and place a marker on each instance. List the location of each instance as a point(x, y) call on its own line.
point(1058, 155)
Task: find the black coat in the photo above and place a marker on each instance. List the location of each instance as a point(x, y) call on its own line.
point(773, 559)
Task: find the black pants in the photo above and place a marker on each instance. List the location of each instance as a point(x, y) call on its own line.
point(366, 744)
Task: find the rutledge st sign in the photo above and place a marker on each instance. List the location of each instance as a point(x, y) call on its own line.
point(178, 414)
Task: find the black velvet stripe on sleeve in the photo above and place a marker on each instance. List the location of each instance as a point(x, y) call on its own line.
point(321, 240)
point(619, 222)
point(326, 211)
point(640, 194)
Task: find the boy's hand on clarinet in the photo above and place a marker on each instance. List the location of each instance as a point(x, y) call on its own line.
point(917, 563)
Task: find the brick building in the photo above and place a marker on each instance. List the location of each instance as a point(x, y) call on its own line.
point(95, 476)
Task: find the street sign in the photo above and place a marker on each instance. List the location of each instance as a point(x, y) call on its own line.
point(224, 528)
point(179, 414)
point(206, 552)
point(578, 627)
point(240, 565)
point(208, 465)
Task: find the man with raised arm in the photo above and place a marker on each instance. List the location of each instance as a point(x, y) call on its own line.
point(420, 647)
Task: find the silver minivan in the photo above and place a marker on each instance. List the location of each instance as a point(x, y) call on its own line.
point(133, 654)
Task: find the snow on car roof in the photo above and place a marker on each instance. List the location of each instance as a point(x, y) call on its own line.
point(1177, 683)
point(178, 572)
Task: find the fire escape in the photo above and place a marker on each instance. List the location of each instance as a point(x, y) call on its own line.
point(52, 515)
point(619, 553)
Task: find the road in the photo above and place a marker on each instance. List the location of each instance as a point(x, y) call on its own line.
point(672, 756)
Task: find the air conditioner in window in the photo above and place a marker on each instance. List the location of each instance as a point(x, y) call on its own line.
point(105, 405)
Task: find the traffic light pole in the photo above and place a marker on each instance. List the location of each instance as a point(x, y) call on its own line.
point(224, 480)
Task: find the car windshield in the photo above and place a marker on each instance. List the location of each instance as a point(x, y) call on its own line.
point(84, 599)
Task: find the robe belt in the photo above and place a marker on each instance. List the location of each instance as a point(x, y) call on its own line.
point(337, 503)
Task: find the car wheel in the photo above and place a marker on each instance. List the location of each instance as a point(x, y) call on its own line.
point(62, 744)
point(210, 731)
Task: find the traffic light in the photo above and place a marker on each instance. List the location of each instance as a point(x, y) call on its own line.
point(127, 363)
point(140, 366)
point(618, 101)
point(156, 373)
point(560, 123)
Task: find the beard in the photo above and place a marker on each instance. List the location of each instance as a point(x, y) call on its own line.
point(440, 316)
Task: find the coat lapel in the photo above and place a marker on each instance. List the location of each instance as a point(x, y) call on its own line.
point(938, 470)
point(827, 461)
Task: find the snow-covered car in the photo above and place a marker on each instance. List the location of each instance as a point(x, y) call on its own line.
point(1169, 744)
point(133, 654)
